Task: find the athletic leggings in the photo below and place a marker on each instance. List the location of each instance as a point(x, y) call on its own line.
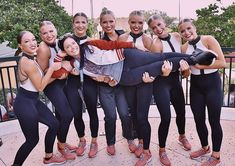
point(137, 62)
point(90, 97)
point(166, 90)
point(30, 111)
point(138, 99)
point(205, 91)
point(55, 93)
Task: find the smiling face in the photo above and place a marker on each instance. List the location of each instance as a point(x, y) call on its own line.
point(107, 22)
point(28, 43)
point(48, 33)
point(80, 25)
point(136, 23)
point(187, 31)
point(158, 26)
point(71, 47)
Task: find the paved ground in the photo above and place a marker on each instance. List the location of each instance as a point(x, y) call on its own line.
point(12, 137)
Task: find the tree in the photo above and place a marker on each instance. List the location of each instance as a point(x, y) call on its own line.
point(219, 22)
point(18, 15)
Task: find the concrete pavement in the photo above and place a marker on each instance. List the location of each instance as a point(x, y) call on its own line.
point(12, 137)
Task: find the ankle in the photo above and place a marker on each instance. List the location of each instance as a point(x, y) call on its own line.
point(162, 150)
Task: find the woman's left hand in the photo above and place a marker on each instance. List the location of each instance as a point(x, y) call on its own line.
point(147, 78)
point(166, 68)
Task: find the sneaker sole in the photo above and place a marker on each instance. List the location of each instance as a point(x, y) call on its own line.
point(197, 158)
point(148, 161)
point(183, 146)
point(51, 164)
point(110, 153)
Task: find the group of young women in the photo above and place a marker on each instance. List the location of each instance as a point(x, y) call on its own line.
point(124, 70)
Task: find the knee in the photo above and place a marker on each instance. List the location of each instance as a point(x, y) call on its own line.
point(67, 117)
point(165, 119)
point(33, 142)
point(110, 118)
point(54, 125)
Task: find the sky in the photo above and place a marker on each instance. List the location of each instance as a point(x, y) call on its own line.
point(122, 8)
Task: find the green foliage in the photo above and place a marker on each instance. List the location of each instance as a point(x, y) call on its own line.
point(218, 22)
point(18, 15)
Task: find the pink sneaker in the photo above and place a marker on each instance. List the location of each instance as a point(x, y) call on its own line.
point(201, 152)
point(184, 142)
point(131, 145)
point(72, 148)
point(81, 148)
point(145, 158)
point(66, 153)
point(139, 150)
point(111, 150)
point(164, 158)
point(54, 160)
point(93, 150)
point(212, 161)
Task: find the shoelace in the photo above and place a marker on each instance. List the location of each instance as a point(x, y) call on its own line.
point(212, 160)
point(163, 155)
point(92, 146)
point(81, 144)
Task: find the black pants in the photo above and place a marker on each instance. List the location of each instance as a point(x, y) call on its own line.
point(90, 96)
point(138, 99)
point(30, 111)
point(55, 93)
point(169, 90)
point(205, 91)
point(112, 100)
point(137, 62)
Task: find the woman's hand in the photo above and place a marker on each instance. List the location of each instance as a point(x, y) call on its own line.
point(147, 78)
point(166, 68)
point(74, 71)
point(62, 53)
point(56, 65)
point(184, 68)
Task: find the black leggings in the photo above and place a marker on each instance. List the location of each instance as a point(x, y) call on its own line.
point(137, 62)
point(166, 90)
point(30, 111)
point(205, 91)
point(55, 93)
point(138, 99)
point(90, 97)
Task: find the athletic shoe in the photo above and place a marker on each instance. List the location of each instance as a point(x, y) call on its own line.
point(164, 158)
point(93, 150)
point(200, 152)
point(111, 150)
point(54, 160)
point(72, 148)
point(184, 142)
point(81, 148)
point(131, 145)
point(139, 150)
point(66, 153)
point(212, 161)
point(145, 158)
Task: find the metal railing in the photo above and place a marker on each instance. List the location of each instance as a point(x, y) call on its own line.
point(9, 86)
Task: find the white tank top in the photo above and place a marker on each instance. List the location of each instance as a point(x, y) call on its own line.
point(189, 50)
point(175, 43)
point(27, 84)
point(139, 41)
point(53, 52)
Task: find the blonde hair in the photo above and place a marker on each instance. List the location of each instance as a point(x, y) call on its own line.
point(104, 12)
point(154, 17)
point(136, 13)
